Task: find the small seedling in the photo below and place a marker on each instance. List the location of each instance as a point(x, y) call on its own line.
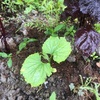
point(94, 56)
point(37, 67)
point(61, 27)
point(70, 31)
point(25, 41)
point(72, 86)
point(87, 86)
point(53, 96)
point(8, 56)
point(53, 31)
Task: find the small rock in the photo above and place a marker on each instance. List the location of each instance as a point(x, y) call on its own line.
point(24, 29)
point(2, 67)
point(11, 98)
point(45, 84)
point(46, 95)
point(11, 95)
point(31, 98)
point(18, 38)
point(25, 32)
point(98, 49)
point(71, 58)
point(11, 42)
point(20, 98)
point(4, 98)
point(98, 64)
point(3, 78)
point(51, 79)
point(34, 12)
point(40, 99)
point(2, 44)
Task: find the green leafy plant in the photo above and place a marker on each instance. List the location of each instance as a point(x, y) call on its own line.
point(8, 56)
point(45, 6)
point(57, 47)
point(61, 27)
point(53, 31)
point(92, 88)
point(11, 5)
point(53, 96)
point(31, 5)
point(87, 85)
point(48, 13)
point(75, 89)
point(94, 56)
point(35, 71)
point(29, 9)
point(36, 67)
point(25, 41)
point(70, 30)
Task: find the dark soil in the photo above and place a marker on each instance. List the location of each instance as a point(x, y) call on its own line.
point(13, 86)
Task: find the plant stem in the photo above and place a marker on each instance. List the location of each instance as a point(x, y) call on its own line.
point(3, 37)
point(50, 58)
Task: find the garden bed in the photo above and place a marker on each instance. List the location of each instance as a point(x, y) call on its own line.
point(69, 74)
point(13, 87)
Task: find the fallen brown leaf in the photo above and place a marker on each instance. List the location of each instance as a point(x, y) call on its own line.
point(98, 64)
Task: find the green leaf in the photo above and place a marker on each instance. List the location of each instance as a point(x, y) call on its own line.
point(31, 40)
point(3, 54)
point(9, 55)
point(59, 27)
point(19, 2)
point(22, 45)
point(71, 86)
point(34, 71)
point(58, 47)
point(28, 9)
point(29, 1)
point(45, 56)
point(9, 62)
point(53, 96)
point(49, 31)
point(97, 27)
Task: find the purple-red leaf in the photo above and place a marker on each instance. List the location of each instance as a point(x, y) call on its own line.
point(86, 10)
point(91, 7)
point(87, 40)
